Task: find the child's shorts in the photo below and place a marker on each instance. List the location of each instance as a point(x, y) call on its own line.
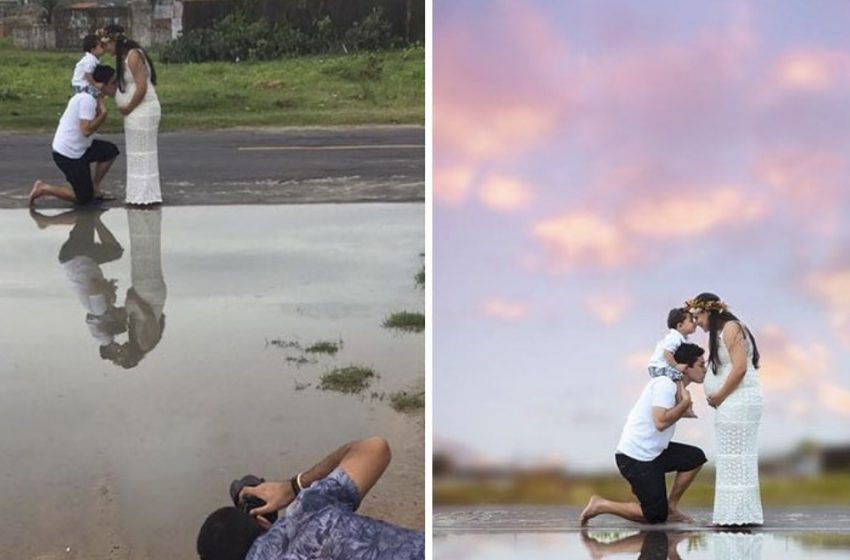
point(672, 373)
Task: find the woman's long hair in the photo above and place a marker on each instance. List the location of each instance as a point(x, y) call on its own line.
point(718, 316)
point(123, 46)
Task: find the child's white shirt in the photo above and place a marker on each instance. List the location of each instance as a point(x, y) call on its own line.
point(86, 65)
point(670, 342)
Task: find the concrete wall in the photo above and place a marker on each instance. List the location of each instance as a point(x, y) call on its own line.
point(40, 36)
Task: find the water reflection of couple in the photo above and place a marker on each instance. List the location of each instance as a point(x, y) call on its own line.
point(645, 452)
point(662, 545)
point(90, 245)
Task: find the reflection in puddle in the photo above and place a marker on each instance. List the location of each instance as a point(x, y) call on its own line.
point(644, 545)
point(97, 461)
point(90, 245)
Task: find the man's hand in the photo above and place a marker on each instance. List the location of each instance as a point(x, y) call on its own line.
point(101, 106)
point(277, 495)
point(125, 110)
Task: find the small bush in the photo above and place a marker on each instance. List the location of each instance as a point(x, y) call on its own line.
point(407, 402)
point(323, 347)
point(349, 379)
point(406, 321)
point(243, 36)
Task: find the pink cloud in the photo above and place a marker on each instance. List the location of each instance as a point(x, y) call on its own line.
point(832, 288)
point(583, 238)
point(811, 178)
point(811, 70)
point(694, 214)
point(509, 310)
point(787, 364)
point(453, 184)
point(504, 193)
point(495, 95)
point(835, 398)
point(609, 309)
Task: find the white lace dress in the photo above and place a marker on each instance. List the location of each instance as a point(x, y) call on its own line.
point(736, 493)
point(141, 128)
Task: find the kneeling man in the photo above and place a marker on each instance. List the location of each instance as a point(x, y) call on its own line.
point(645, 452)
point(74, 149)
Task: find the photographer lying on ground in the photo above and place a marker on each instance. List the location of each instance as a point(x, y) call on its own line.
point(320, 521)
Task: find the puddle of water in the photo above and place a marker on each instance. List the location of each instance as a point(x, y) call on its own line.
point(140, 378)
point(643, 546)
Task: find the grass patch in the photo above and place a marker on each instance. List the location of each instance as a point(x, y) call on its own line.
point(407, 402)
point(299, 360)
point(349, 379)
point(284, 344)
point(324, 347)
point(406, 321)
point(386, 87)
point(301, 386)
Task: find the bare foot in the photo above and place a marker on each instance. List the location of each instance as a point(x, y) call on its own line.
point(35, 193)
point(676, 516)
point(589, 511)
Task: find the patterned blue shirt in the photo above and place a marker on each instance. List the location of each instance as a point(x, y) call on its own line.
point(321, 523)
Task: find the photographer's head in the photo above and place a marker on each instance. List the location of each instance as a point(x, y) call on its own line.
point(227, 534)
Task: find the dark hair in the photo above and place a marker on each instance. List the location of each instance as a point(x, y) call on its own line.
point(89, 42)
point(122, 47)
point(676, 316)
point(687, 353)
point(102, 73)
point(227, 534)
point(717, 319)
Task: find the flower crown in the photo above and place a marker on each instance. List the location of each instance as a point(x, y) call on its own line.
point(105, 37)
point(706, 305)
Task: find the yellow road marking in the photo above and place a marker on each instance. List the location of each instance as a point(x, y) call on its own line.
point(320, 148)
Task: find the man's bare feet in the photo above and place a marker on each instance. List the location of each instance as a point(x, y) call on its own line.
point(35, 192)
point(590, 510)
point(676, 516)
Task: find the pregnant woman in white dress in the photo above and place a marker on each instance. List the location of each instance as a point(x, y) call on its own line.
point(733, 388)
point(137, 100)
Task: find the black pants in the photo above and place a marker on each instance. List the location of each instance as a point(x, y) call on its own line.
point(647, 477)
point(78, 171)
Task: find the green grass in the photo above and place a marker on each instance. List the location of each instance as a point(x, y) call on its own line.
point(831, 489)
point(323, 90)
point(408, 402)
point(349, 379)
point(406, 321)
point(323, 347)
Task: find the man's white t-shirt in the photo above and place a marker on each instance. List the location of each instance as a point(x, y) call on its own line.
point(640, 439)
point(86, 65)
point(69, 140)
point(671, 341)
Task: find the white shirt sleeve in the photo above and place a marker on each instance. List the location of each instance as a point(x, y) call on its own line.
point(664, 393)
point(87, 108)
point(672, 341)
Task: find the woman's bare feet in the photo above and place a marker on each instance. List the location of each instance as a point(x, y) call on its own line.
point(590, 511)
point(35, 192)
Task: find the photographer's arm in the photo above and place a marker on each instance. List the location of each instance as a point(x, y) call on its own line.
point(363, 460)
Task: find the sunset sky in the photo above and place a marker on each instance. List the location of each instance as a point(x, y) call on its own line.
point(597, 163)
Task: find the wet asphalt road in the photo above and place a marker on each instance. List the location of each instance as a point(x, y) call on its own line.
point(248, 166)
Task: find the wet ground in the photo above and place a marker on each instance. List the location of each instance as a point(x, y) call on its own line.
point(150, 357)
point(515, 532)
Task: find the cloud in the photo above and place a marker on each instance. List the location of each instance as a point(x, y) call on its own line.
point(786, 364)
point(608, 308)
point(809, 177)
point(495, 89)
point(583, 238)
point(508, 310)
point(696, 214)
point(835, 398)
point(811, 70)
point(504, 193)
point(638, 360)
point(832, 288)
point(452, 184)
